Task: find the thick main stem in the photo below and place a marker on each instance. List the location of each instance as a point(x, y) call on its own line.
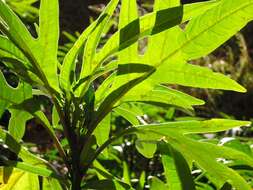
point(73, 140)
point(76, 175)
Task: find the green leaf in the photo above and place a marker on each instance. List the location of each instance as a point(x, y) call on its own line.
point(12, 26)
point(129, 112)
point(126, 174)
point(48, 39)
point(11, 51)
point(107, 185)
point(146, 92)
point(90, 47)
point(170, 173)
point(159, 43)
point(163, 4)
point(106, 178)
point(56, 119)
point(102, 173)
point(151, 24)
point(208, 31)
point(191, 127)
point(68, 67)
point(21, 181)
point(197, 151)
point(32, 106)
point(19, 150)
point(17, 123)
point(141, 183)
point(168, 63)
point(156, 183)
point(26, 167)
point(108, 103)
point(128, 76)
point(96, 28)
point(193, 76)
point(102, 91)
point(171, 64)
point(238, 145)
point(16, 61)
point(51, 184)
point(146, 149)
point(128, 13)
point(3, 106)
point(14, 95)
point(24, 8)
point(102, 131)
point(182, 178)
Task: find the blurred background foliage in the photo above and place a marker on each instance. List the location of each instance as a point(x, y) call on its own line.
point(234, 58)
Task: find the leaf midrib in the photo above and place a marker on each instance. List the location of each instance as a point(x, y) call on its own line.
point(199, 34)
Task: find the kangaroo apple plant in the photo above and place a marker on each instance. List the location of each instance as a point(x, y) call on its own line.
point(82, 104)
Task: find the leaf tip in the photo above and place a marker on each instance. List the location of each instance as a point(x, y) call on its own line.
point(241, 89)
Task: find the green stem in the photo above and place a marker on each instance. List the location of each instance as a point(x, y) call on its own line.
point(60, 149)
point(76, 175)
point(73, 140)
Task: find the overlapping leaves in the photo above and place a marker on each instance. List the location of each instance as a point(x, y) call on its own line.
point(132, 78)
point(174, 134)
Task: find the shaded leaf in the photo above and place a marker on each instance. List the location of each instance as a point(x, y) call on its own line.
point(17, 123)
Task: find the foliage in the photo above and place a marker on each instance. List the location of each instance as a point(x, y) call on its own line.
point(24, 8)
point(83, 105)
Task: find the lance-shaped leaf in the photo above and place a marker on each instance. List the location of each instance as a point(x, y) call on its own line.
point(113, 97)
point(14, 95)
point(206, 32)
point(189, 127)
point(103, 130)
point(166, 40)
point(151, 24)
point(156, 183)
point(197, 151)
point(51, 184)
point(69, 64)
point(9, 50)
point(145, 92)
point(31, 168)
point(20, 180)
point(16, 61)
point(90, 47)
point(170, 172)
point(193, 76)
point(32, 106)
point(89, 66)
point(48, 39)
point(12, 26)
point(17, 123)
point(16, 31)
point(128, 13)
point(205, 78)
point(177, 173)
point(170, 62)
point(130, 112)
point(19, 150)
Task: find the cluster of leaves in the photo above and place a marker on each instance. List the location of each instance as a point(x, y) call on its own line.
point(92, 82)
point(24, 8)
